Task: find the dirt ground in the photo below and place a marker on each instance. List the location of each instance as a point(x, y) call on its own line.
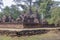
point(51, 35)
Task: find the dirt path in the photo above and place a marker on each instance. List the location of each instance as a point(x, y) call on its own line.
point(11, 29)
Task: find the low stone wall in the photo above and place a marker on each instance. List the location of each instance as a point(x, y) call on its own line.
point(32, 25)
point(11, 25)
point(21, 26)
point(18, 25)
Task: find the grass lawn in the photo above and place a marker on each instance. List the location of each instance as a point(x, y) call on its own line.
point(48, 36)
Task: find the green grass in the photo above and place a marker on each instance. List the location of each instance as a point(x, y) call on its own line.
point(47, 36)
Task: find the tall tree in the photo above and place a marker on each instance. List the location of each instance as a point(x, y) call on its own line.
point(27, 5)
point(55, 16)
point(45, 6)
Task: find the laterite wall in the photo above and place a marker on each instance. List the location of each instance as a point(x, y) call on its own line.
point(11, 25)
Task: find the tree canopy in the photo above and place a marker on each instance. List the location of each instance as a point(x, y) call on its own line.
point(55, 16)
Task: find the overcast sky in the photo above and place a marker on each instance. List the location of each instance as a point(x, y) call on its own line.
point(9, 2)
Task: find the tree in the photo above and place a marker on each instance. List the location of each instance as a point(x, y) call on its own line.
point(45, 6)
point(15, 12)
point(26, 6)
point(1, 14)
point(6, 11)
point(55, 16)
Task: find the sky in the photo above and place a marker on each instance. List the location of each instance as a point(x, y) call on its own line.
point(57, 0)
point(9, 2)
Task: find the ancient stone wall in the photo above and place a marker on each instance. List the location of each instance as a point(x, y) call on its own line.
point(11, 25)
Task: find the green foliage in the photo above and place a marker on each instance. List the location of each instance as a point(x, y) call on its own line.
point(6, 10)
point(45, 7)
point(13, 11)
point(1, 14)
point(55, 16)
point(33, 8)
